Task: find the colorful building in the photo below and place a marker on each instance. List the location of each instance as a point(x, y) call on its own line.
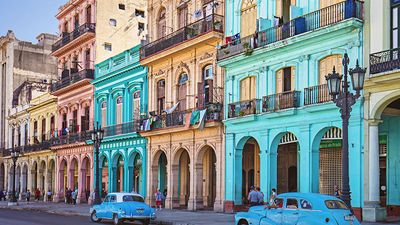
point(120, 100)
point(282, 130)
point(382, 111)
point(184, 160)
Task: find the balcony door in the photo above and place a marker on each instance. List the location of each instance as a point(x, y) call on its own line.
point(182, 91)
point(248, 89)
point(89, 14)
point(395, 21)
point(283, 9)
point(327, 3)
point(119, 110)
point(76, 22)
point(182, 15)
point(162, 23)
point(248, 18)
point(104, 114)
point(160, 96)
point(285, 80)
point(136, 105)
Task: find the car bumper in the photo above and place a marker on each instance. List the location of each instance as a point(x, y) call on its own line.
point(136, 217)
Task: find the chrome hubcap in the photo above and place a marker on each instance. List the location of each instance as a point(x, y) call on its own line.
point(94, 217)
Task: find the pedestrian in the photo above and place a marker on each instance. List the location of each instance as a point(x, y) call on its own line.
point(165, 196)
point(69, 200)
point(93, 195)
point(2, 195)
point(159, 198)
point(253, 197)
point(37, 194)
point(28, 196)
point(260, 196)
point(337, 193)
point(272, 197)
point(87, 195)
point(74, 194)
point(49, 195)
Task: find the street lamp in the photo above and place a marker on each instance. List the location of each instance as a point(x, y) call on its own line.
point(14, 156)
point(344, 99)
point(97, 137)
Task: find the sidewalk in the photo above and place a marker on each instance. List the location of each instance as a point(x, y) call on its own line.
point(176, 217)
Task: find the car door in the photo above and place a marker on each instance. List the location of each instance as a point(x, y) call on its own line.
point(101, 212)
point(290, 213)
point(274, 213)
point(110, 206)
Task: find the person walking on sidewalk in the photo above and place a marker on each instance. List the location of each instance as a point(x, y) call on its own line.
point(159, 197)
point(37, 194)
point(2, 195)
point(74, 194)
point(28, 196)
point(49, 195)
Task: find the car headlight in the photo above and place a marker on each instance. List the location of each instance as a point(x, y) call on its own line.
point(120, 211)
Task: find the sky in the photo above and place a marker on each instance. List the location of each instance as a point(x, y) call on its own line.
point(29, 18)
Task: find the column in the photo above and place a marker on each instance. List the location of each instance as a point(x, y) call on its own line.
point(372, 211)
point(198, 178)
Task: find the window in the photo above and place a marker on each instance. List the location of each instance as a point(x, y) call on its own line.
point(182, 89)
point(113, 198)
point(335, 204)
point(291, 203)
point(43, 129)
point(139, 12)
point(119, 110)
point(136, 105)
point(89, 14)
point(141, 26)
point(64, 123)
point(305, 204)
point(208, 83)
point(162, 23)
point(160, 96)
point(121, 6)
point(283, 9)
point(326, 66)
point(248, 88)
point(132, 198)
point(395, 20)
point(104, 114)
point(278, 202)
point(248, 18)
point(107, 199)
point(285, 79)
point(107, 46)
point(182, 15)
point(113, 22)
point(65, 29)
point(76, 22)
point(87, 59)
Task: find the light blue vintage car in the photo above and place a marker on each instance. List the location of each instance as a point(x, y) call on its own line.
point(299, 209)
point(122, 207)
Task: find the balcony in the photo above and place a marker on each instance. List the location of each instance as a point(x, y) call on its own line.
point(67, 38)
point(280, 101)
point(177, 119)
point(384, 61)
point(191, 31)
point(67, 79)
point(316, 94)
point(244, 108)
point(318, 19)
point(70, 138)
point(124, 128)
point(45, 145)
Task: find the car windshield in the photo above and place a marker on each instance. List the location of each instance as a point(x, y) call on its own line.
point(132, 198)
point(335, 204)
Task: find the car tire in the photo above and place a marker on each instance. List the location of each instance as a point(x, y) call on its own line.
point(146, 222)
point(93, 217)
point(116, 220)
point(242, 222)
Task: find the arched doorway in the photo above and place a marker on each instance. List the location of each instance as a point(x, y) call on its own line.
point(103, 170)
point(73, 174)
point(159, 173)
point(118, 173)
point(85, 170)
point(51, 174)
point(206, 177)
point(181, 172)
point(287, 164)
point(250, 167)
point(135, 173)
point(42, 179)
point(24, 178)
point(18, 180)
point(63, 178)
point(34, 176)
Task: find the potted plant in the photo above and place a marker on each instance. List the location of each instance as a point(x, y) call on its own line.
point(217, 25)
point(247, 49)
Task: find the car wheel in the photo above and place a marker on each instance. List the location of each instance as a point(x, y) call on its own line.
point(146, 222)
point(116, 220)
point(242, 222)
point(94, 218)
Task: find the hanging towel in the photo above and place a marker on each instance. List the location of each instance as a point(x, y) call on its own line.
point(187, 120)
point(172, 109)
point(202, 119)
point(194, 117)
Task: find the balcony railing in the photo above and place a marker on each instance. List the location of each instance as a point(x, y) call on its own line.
point(193, 30)
point(176, 119)
point(69, 37)
point(124, 128)
point(71, 79)
point(309, 22)
point(384, 61)
point(70, 138)
point(285, 100)
point(45, 145)
point(316, 94)
point(244, 108)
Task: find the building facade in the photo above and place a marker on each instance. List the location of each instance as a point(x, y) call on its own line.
point(282, 130)
point(183, 129)
point(382, 107)
point(120, 100)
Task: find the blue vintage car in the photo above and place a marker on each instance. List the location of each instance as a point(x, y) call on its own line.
point(122, 207)
point(299, 209)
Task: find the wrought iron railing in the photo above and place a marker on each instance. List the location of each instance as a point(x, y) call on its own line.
point(73, 78)
point(123, 128)
point(69, 37)
point(193, 30)
point(285, 100)
point(384, 61)
point(70, 138)
point(244, 108)
point(316, 94)
point(309, 22)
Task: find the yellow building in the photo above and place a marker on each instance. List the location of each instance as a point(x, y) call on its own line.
point(184, 81)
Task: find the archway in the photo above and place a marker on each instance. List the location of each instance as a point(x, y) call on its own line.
point(250, 167)
point(41, 174)
point(118, 173)
point(286, 163)
point(159, 174)
point(51, 174)
point(206, 178)
point(103, 170)
point(85, 179)
point(135, 173)
point(63, 178)
point(18, 180)
point(73, 174)
point(181, 173)
point(34, 176)
point(24, 178)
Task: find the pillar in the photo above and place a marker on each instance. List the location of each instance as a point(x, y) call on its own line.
point(372, 211)
point(197, 193)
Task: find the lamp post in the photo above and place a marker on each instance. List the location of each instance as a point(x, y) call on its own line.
point(345, 99)
point(97, 137)
point(14, 156)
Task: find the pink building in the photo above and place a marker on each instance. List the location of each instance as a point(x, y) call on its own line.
point(75, 51)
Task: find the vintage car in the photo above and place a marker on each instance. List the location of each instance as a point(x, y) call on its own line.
point(299, 209)
point(122, 207)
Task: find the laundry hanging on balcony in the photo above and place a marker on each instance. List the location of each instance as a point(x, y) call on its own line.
point(146, 124)
point(172, 109)
point(188, 116)
point(195, 116)
point(202, 119)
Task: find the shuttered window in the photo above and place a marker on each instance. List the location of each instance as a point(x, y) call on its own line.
point(182, 86)
point(162, 23)
point(248, 18)
point(160, 96)
point(119, 110)
point(286, 79)
point(326, 66)
point(104, 114)
point(327, 3)
point(136, 105)
point(248, 88)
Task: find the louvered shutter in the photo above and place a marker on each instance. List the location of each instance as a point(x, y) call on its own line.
point(252, 88)
point(200, 95)
point(244, 87)
point(210, 90)
point(279, 4)
point(293, 79)
point(279, 81)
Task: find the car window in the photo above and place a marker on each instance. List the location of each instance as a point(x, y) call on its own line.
point(335, 204)
point(132, 198)
point(107, 199)
point(278, 202)
point(305, 204)
point(292, 203)
point(113, 198)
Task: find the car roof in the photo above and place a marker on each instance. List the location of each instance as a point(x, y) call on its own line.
point(314, 198)
point(124, 193)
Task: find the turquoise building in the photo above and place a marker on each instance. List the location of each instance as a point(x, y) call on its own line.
point(282, 129)
point(120, 99)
